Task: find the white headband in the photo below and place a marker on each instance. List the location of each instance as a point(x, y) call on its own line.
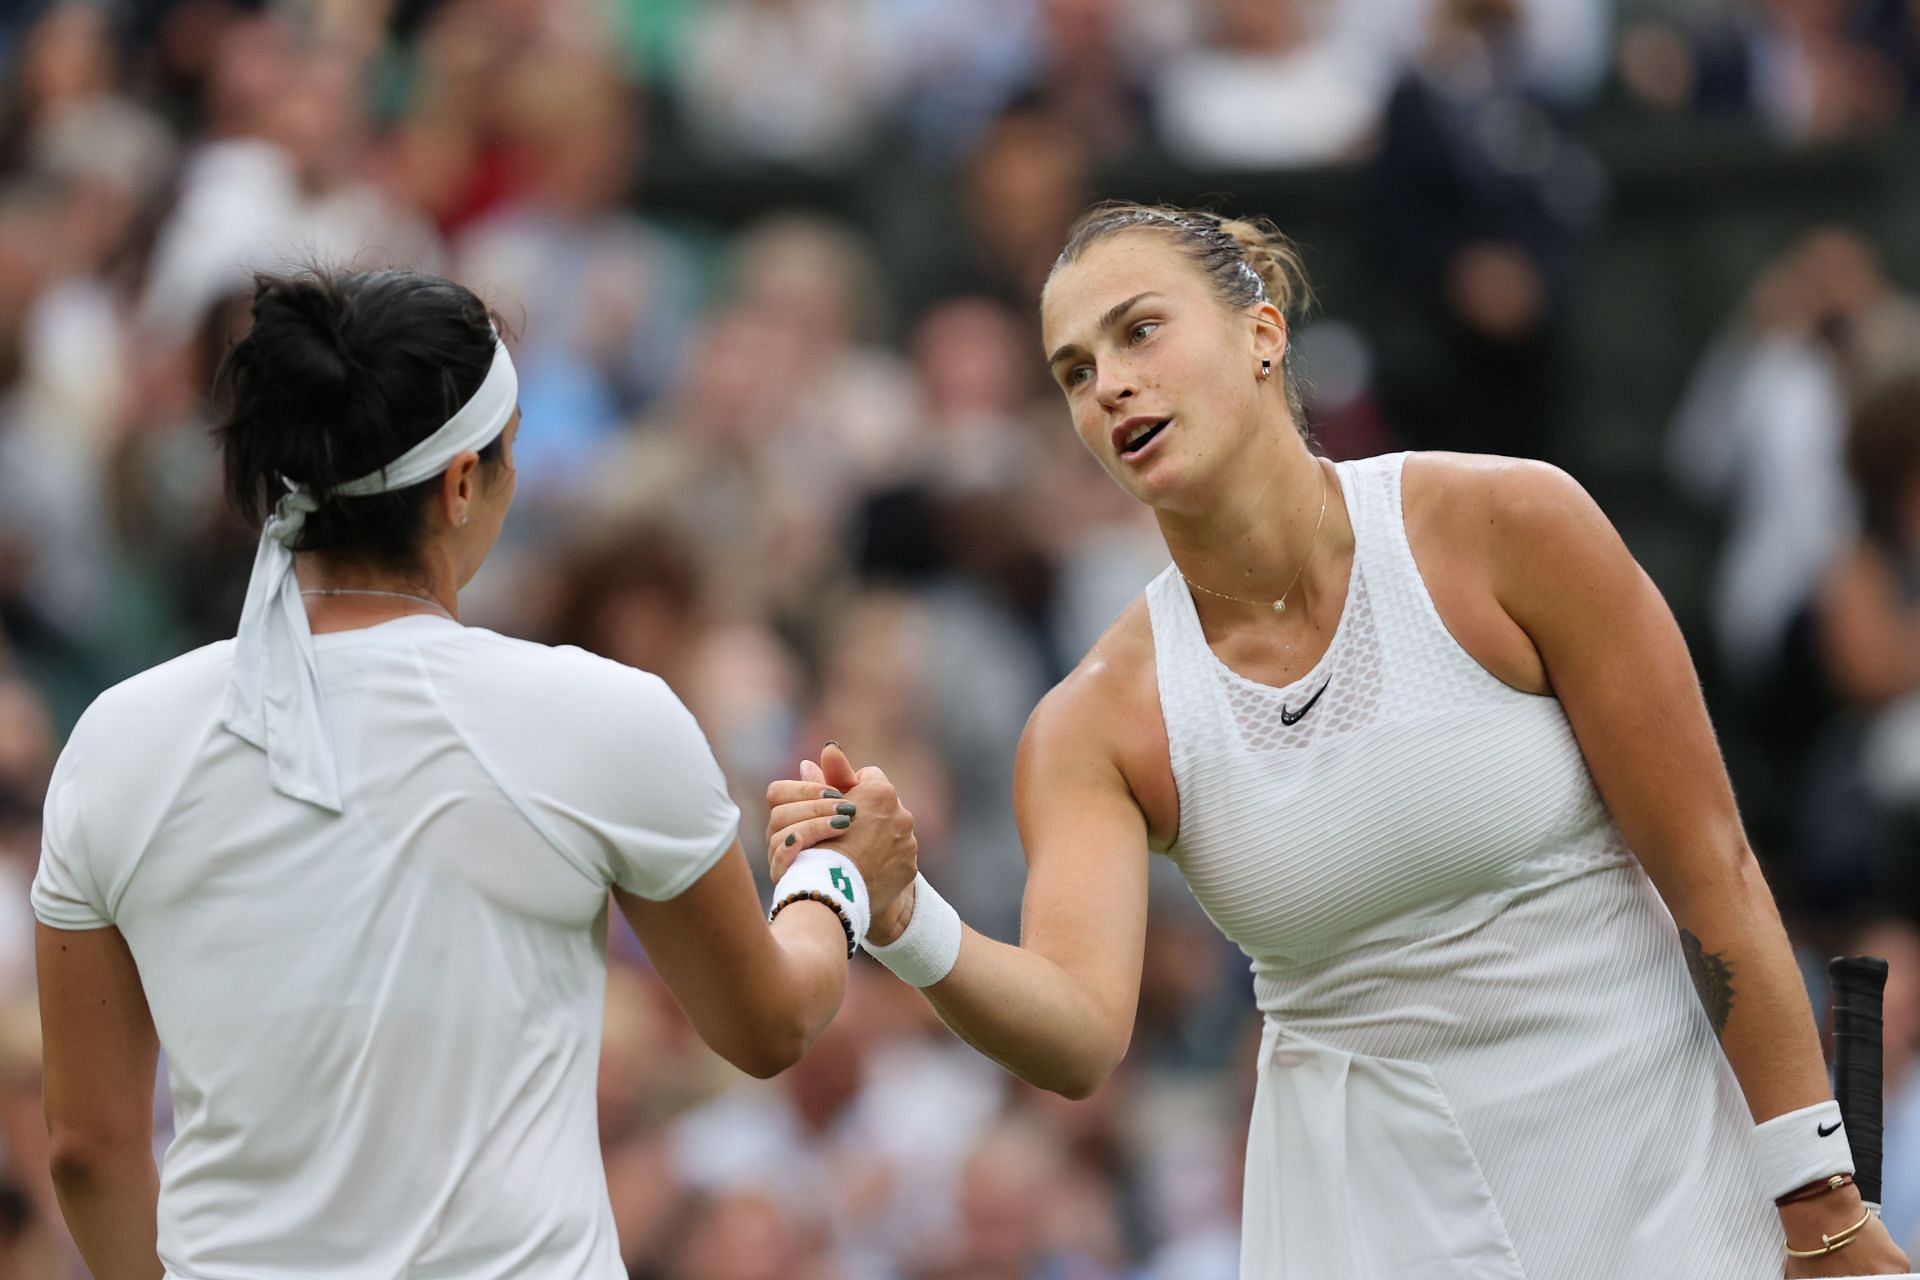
point(273, 691)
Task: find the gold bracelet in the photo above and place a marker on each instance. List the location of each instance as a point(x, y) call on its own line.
point(1835, 1242)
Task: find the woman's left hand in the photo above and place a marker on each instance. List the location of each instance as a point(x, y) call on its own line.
point(1872, 1252)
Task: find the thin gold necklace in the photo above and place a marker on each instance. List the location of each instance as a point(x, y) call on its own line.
point(384, 595)
point(1280, 605)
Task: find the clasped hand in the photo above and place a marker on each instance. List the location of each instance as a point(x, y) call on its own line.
point(858, 813)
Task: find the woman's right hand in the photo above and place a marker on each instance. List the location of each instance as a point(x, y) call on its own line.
point(858, 813)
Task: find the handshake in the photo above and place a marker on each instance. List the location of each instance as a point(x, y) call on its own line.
point(857, 815)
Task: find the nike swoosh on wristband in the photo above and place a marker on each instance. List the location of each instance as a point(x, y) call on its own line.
point(1295, 717)
point(1826, 1132)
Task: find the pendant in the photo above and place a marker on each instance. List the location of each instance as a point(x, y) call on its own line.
point(1279, 606)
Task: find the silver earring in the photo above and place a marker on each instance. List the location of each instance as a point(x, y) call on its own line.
point(1266, 370)
point(463, 520)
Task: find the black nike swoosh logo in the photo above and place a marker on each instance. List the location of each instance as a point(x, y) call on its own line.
point(1295, 717)
point(1826, 1132)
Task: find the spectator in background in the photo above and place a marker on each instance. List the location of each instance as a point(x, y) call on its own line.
point(787, 410)
point(107, 161)
point(880, 678)
point(68, 59)
point(956, 66)
point(163, 485)
point(978, 386)
point(606, 297)
point(854, 405)
point(26, 760)
point(707, 461)
point(744, 1235)
point(89, 163)
point(643, 593)
point(286, 177)
point(32, 1245)
point(1762, 430)
point(449, 155)
point(1862, 810)
point(1811, 75)
point(54, 581)
point(1017, 1211)
point(1270, 88)
point(29, 1249)
point(1761, 434)
point(1089, 72)
point(1476, 213)
point(782, 81)
point(1559, 52)
point(1018, 190)
point(650, 1067)
point(1809, 70)
point(864, 1142)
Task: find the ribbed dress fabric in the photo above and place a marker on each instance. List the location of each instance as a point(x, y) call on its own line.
point(1483, 1056)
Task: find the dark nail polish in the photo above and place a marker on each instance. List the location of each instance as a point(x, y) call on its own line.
point(790, 839)
point(847, 807)
point(831, 794)
point(841, 823)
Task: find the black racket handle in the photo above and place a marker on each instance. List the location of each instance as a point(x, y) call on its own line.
point(1858, 982)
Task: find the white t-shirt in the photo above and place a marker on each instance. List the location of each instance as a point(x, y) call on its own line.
point(383, 1027)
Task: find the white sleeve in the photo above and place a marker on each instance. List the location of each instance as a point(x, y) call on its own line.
point(646, 792)
point(65, 894)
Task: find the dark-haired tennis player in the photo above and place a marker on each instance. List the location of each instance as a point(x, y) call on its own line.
point(352, 868)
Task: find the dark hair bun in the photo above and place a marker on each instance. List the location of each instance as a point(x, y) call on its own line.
point(340, 375)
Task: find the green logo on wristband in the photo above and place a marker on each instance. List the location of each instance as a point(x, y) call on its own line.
point(842, 883)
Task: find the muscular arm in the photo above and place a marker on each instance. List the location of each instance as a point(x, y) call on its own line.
point(1616, 660)
point(100, 1054)
point(1058, 1009)
point(757, 994)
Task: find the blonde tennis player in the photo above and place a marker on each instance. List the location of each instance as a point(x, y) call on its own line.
point(351, 869)
point(1427, 745)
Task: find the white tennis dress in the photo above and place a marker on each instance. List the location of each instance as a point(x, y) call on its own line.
point(1483, 1054)
point(383, 1026)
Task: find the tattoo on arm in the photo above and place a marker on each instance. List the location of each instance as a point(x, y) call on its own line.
point(1712, 978)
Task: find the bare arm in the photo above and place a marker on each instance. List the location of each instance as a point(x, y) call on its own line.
point(100, 1055)
point(1058, 1009)
point(1617, 662)
point(757, 994)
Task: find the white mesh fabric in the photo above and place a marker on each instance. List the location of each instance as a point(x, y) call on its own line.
point(1426, 879)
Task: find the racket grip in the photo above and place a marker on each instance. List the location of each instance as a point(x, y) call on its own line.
point(1858, 984)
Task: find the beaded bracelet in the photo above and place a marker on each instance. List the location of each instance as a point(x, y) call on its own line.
point(825, 900)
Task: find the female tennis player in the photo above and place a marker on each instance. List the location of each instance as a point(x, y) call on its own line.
point(353, 866)
point(1427, 745)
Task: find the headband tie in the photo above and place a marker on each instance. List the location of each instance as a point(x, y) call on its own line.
point(273, 695)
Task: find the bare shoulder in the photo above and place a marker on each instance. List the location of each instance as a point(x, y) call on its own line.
point(1101, 725)
point(1495, 501)
point(1486, 533)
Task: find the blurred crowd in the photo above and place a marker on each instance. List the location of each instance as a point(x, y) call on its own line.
point(805, 464)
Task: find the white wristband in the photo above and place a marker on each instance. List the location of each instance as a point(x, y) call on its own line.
point(829, 877)
point(929, 948)
point(1800, 1147)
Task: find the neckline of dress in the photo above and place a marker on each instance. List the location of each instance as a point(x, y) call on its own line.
point(1313, 673)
